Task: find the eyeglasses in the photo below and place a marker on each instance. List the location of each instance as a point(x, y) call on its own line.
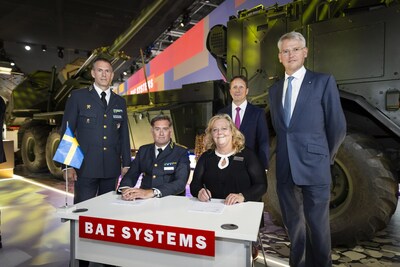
point(295, 50)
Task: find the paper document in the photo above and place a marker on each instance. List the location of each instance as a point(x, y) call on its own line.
point(135, 202)
point(213, 206)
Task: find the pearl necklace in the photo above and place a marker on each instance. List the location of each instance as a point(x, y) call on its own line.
point(224, 161)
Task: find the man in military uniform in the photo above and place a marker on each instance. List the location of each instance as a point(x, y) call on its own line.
point(165, 165)
point(98, 118)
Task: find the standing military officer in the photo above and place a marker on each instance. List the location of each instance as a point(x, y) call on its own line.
point(164, 164)
point(98, 118)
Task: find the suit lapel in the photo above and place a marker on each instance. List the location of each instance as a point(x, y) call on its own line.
point(112, 100)
point(304, 94)
point(247, 115)
point(278, 100)
point(95, 95)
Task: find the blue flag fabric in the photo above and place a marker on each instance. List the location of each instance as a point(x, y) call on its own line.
point(68, 151)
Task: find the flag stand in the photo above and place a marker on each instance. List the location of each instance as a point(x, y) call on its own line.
point(66, 206)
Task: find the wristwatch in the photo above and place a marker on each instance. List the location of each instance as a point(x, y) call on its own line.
point(156, 193)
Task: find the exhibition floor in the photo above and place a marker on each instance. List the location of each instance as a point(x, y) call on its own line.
point(33, 236)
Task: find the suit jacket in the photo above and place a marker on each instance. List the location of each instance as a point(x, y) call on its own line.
point(307, 147)
point(101, 133)
point(255, 129)
point(168, 172)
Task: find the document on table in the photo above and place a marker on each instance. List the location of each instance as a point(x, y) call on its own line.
point(213, 206)
point(135, 202)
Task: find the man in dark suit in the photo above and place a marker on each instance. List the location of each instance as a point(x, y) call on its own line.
point(310, 126)
point(164, 165)
point(249, 119)
point(98, 118)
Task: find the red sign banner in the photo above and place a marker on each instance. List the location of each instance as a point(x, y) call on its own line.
point(193, 241)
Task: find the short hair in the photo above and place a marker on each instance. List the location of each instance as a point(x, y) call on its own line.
point(242, 77)
point(237, 137)
point(161, 117)
point(101, 59)
point(291, 36)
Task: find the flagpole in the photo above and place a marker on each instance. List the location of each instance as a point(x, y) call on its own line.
point(66, 187)
point(66, 181)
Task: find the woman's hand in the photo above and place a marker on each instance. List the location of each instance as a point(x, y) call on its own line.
point(204, 195)
point(232, 199)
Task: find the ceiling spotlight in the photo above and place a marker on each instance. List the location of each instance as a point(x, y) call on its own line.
point(61, 52)
point(27, 47)
point(44, 48)
point(12, 63)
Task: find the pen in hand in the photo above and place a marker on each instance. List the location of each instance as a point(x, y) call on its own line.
point(205, 188)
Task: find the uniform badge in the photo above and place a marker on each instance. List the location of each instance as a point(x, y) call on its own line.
point(87, 120)
point(118, 125)
point(88, 106)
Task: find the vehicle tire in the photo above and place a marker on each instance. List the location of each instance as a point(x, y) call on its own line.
point(363, 191)
point(53, 140)
point(33, 148)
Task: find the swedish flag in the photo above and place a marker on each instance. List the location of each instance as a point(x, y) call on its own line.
point(68, 151)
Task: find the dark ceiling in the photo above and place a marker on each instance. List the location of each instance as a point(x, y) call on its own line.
point(78, 27)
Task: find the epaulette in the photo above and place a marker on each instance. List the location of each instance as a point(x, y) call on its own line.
point(180, 145)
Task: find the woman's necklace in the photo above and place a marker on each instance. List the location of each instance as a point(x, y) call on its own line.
point(224, 161)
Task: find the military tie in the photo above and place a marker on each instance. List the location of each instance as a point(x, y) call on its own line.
point(159, 151)
point(288, 101)
point(103, 99)
point(237, 118)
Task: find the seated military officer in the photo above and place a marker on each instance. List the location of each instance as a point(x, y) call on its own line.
point(165, 165)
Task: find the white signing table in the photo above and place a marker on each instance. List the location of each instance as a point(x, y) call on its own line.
point(232, 247)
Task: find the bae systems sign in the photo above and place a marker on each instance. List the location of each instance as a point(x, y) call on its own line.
point(194, 241)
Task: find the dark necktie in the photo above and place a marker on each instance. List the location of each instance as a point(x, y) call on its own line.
point(103, 99)
point(159, 151)
point(237, 118)
point(288, 101)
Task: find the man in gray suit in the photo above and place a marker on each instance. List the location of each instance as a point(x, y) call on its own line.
point(310, 125)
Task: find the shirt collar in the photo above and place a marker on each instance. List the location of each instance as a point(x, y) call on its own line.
point(99, 91)
point(299, 74)
point(162, 147)
point(242, 106)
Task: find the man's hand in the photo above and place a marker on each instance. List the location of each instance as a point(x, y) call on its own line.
point(72, 176)
point(134, 193)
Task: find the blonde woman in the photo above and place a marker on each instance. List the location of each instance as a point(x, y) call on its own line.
point(227, 170)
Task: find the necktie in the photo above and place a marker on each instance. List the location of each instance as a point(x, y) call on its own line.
point(159, 151)
point(288, 101)
point(103, 99)
point(237, 118)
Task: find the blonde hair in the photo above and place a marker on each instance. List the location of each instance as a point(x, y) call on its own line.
point(237, 136)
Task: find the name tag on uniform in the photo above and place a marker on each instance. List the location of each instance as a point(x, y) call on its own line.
point(169, 166)
point(238, 158)
point(117, 116)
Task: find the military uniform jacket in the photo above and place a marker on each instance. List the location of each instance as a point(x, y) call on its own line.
point(168, 173)
point(102, 133)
